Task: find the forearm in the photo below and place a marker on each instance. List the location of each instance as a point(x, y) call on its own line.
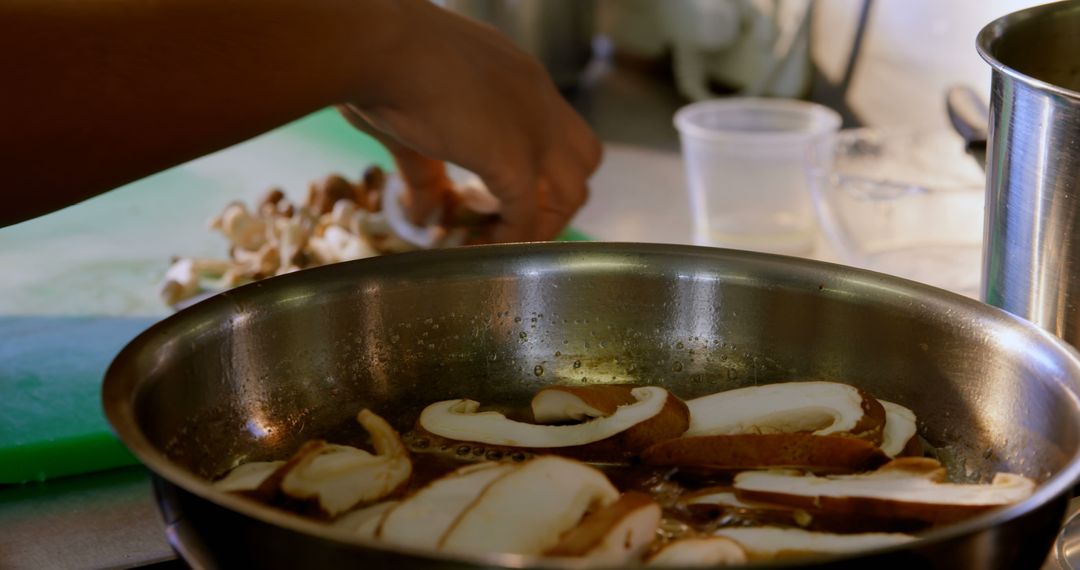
point(97, 93)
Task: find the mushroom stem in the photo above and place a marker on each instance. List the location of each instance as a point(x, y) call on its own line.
point(339, 477)
point(821, 408)
point(526, 510)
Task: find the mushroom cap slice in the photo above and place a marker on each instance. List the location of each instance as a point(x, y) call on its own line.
point(459, 420)
point(900, 428)
point(527, 509)
point(423, 518)
point(907, 488)
point(755, 451)
point(716, 502)
point(820, 408)
point(339, 477)
point(767, 543)
point(698, 551)
point(556, 404)
point(365, 522)
point(613, 535)
point(725, 497)
point(576, 403)
point(248, 476)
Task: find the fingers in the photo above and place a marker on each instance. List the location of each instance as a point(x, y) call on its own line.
point(580, 141)
point(562, 190)
point(357, 120)
point(518, 196)
point(426, 181)
point(541, 182)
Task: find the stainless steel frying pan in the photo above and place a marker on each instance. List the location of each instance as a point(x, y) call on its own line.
point(252, 373)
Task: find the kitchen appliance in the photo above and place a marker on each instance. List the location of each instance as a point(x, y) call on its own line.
point(1032, 247)
point(252, 373)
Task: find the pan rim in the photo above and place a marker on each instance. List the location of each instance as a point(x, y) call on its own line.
point(119, 389)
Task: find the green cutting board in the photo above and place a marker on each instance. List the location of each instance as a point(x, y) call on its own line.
point(51, 422)
point(79, 283)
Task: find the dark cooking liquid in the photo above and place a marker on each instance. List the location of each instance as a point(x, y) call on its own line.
point(433, 458)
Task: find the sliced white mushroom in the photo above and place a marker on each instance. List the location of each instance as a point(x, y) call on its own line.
point(767, 543)
point(556, 404)
point(342, 214)
point(234, 277)
point(239, 227)
point(185, 276)
point(263, 261)
point(900, 428)
point(291, 236)
point(247, 477)
point(422, 236)
point(337, 244)
point(459, 420)
point(907, 488)
point(700, 551)
point(375, 224)
point(820, 408)
point(723, 497)
point(581, 403)
point(475, 195)
point(340, 477)
point(527, 509)
point(365, 522)
point(422, 519)
point(614, 535)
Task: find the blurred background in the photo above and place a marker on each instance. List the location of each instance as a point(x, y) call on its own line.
point(626, 65)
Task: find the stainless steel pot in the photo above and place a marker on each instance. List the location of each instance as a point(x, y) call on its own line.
point(1032, 248)
point(252, 373)
point(558, 33)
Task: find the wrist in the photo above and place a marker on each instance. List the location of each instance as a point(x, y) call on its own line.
point(372, 51)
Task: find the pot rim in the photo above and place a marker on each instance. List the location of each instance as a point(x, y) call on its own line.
point(119, 389)
point(998, 28)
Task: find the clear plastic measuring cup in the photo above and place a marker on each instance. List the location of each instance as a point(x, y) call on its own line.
point(747, 162)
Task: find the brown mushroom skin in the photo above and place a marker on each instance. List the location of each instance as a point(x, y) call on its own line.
point(759, 513)
point(270, 492)
point(872, 425)
point(606, 398)
point(817, 453)
point(914, 447)
point(324, 194)
point(584, 538)
point(874, 508)
point(672, 421)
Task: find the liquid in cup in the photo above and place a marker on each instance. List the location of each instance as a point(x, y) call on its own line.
point(748, 163)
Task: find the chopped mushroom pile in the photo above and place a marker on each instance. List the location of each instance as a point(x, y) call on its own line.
point(759, 473)
point(338, 221)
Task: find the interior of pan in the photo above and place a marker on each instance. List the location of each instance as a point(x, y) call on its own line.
point(252, 374)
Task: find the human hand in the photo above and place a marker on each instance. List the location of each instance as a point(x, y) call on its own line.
point(459, 91)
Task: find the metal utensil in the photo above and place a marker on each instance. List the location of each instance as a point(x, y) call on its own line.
point(970, 117)
point(252, 373)
point(1032, 247)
